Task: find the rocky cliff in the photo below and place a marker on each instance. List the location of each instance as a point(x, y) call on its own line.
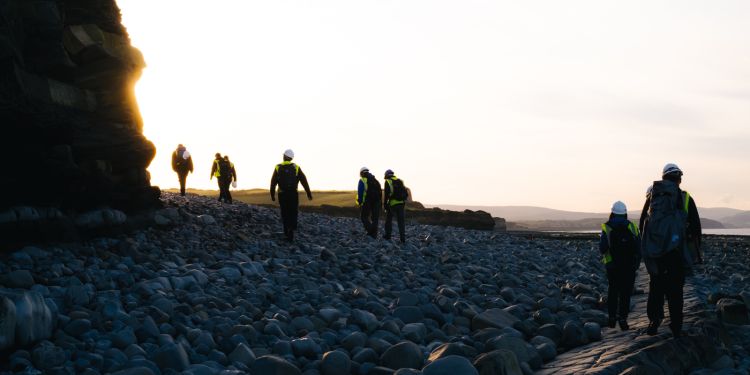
point(72, 132)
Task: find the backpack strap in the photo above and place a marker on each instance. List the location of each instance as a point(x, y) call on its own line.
point(633, 229)
point(607, 257)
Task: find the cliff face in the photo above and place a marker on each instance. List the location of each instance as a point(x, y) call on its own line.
point(71, 129)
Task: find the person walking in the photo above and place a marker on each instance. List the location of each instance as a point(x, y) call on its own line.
point(394, 202)
point(220, 170)
point(182, 163)
point(228, 177)
point(671, 226)
point(620, 248)
point(369, 199)
point(287, 176)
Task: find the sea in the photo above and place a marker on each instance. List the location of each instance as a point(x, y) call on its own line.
point(723, 232)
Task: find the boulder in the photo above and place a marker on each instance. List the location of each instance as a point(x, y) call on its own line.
point(335, 363)
point(405, 354)
point(171, 356)
point(19, 279)
point(273, 365)
point(450, 365)
point(498, 362)
point(493, 318)
point(365, 320)
point(242, 354)
point(732, 311)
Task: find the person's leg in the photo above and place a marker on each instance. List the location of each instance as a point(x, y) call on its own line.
point(675, 281)
point(284, 209)
point(388, 223)
point(294, 212)
point(182, 176)
point(364, 215)
point(227, 185)
point(628, 280)
point(655, 303)
point(612, 297)
point(401, 224)
point(375, 214)
point(221, 190)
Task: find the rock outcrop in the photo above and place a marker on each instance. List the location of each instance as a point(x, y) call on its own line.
point(72, 133)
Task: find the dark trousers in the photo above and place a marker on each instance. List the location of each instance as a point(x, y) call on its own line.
point(224, 194)
point(398, 211)
point(370, 215)
point(289, 204)
point(621, 280)
point(668, 281)
point(182, 176)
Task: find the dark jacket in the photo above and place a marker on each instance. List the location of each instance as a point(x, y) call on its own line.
point(180, 164)
point(301, 178)
point(366, 192)
point(615, 222)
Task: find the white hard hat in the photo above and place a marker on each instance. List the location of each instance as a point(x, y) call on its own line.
point(619, 208)
point(671, 168)
point(364, 169)
point(186, 154)
point(289, 153)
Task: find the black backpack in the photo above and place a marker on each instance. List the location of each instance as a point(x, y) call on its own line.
point(286, 175)
point(666, 224)
point(398, 192)
point(225, 169)
point(374, 190)
point(622, 244)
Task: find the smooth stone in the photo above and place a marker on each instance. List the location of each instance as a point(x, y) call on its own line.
point(141, 370)
point(78, 327)
point(365, 320)
point(574, 335)
point(732, 311)
point(242, 354)
point(593, 331)
point(305, 347)
point(493, 318)
point(366, 355)
point(498, 362)
point(329, 315)
point(524, 351)
point(409, 314)
point(551, 331)
point(547, 351)
point(273, 365)
point(46, 356)
point(415, 332)
point(171, 356)
point(407, 299)
point(19, 279)
point(335, 363)
point(354, 340)
point(405, 354)
point(445, 350)
point(450, 365)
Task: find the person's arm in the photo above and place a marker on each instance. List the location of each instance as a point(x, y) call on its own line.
point(213, 170)
point(190, 164)
point(694, 230)
point(234, 173)
point(174, 161)
point(644, 214)
point(274, 182)
point(386, 195)
point(603, 243)
point(360, 192)
point(303, 181)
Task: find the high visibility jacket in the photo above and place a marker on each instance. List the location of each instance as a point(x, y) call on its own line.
point(389, 191)
point(606, 243)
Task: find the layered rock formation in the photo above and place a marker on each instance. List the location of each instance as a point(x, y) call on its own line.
point(72, 133)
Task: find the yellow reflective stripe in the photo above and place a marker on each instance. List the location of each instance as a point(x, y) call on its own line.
point(633, 229)
point(607, 258)
point(605, 229)
point(364, 193)
point(217, 172)
point(686, 198)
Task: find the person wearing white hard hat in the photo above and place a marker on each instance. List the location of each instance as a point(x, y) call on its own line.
point(671, 244)
point(620, 248)
point(395, 195)
point(369, 198)
point(182, 163)
point(288, 176)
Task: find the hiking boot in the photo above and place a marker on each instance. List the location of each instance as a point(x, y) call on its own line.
point(653, 327)
point(623, 325)
point(612, 323)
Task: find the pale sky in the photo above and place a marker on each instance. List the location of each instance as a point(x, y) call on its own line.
point(563, 104)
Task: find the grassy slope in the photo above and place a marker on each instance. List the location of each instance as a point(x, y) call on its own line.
point(261, 196)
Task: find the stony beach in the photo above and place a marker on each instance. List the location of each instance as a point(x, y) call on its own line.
point(213, 289)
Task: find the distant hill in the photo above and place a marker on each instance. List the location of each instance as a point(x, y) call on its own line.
point(541, 218)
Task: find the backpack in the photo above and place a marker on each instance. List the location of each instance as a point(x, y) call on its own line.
point(398, 190)
point(373, 189)
point(666, 224)
point(286, 175)
point(225, 169)
point(622, 244)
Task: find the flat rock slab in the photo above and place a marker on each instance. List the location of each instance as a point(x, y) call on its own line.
point(660, 354)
